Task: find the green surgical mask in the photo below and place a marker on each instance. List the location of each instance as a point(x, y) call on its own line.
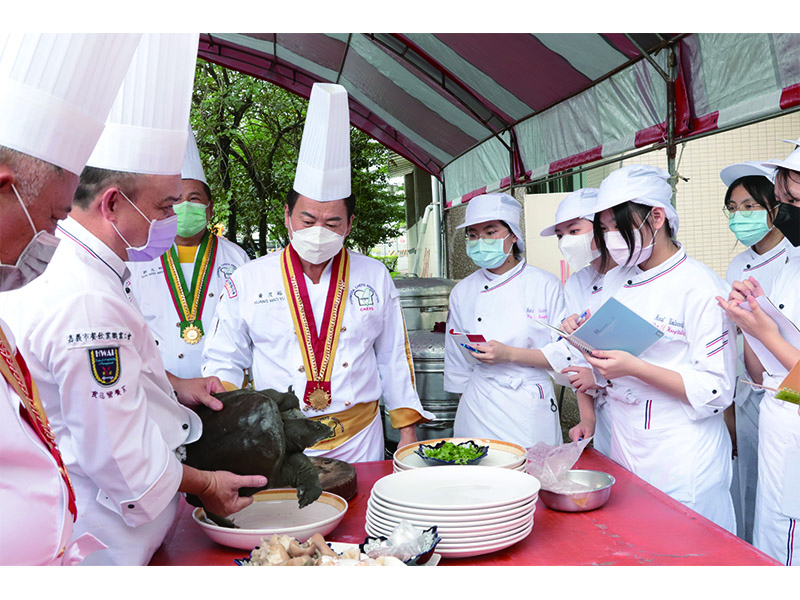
point(191, 218)
point(749, 228)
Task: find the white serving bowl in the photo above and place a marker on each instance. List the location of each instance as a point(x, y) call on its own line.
point(276, 512)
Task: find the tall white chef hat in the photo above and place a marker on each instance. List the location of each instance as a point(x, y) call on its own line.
point(323, 167)
point(575, 205)
point(749, 168)
point(147, 129)
point(192, 166)
point(791, 162)
point(56, 90)
point(495, 207)
point(642, 184)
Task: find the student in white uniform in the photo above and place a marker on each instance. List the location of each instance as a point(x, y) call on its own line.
point(502, 300)
point(778, 495)
point(115, 415)
point(750, 206)
point(666, 404)
point(582, 291)
point(317, 317)
point(49, 123)
point(178, 291)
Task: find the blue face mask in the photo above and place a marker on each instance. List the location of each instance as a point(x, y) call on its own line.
point(749, 228)
point(487, 254)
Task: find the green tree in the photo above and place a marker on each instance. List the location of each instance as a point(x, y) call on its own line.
point(248, 133)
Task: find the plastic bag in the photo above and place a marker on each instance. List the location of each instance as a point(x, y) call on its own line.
point(549, 464)
point(405, 542)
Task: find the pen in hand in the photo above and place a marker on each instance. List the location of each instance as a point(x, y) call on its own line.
point(471, 349)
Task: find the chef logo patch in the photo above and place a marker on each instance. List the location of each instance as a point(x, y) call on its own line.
point(105, 365)
point(364, 297)
point(225, 270)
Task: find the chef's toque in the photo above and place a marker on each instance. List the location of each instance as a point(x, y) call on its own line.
point(56, 90)
point(791, 162)
point(642, 184)
point(495, 207)
point(575, 205)
point(323, 167)
point(750, 168)
point(147, 129)
point(192, 166)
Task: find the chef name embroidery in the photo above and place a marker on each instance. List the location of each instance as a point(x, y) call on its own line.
point(670, 327)
point(364, 297)
point(536, 313)
point(269, 297)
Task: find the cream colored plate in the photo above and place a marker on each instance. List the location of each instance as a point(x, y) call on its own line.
point(501, 454)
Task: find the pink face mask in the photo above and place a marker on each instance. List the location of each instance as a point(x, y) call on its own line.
point(160, 237)
point(618, 249)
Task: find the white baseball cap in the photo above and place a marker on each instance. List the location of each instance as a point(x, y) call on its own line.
point(642, 184)
point(323, 165)
point(495, 207)
point(576, 205)
point(750, 168)
point(56, 90)
point(147, 128)
point(791, 162)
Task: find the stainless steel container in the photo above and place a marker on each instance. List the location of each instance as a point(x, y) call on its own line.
point(424, 300)
point(598, 489)
point(427, 351)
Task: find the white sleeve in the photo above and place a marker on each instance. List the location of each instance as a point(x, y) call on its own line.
point(104, 406)
point(228, 350)
point(457, 370)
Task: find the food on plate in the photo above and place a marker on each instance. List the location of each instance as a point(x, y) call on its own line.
point(259, 433)
point(286, 551)
point(447, 452)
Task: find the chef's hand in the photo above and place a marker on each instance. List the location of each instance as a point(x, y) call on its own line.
point(572, 322)
point(615, 363)
point(582, 430)
point(408, 435)
point(197, 391)
point(754, 322)
point(581, 379)
point(221, 494)
point(741, 290)
point(493, 353)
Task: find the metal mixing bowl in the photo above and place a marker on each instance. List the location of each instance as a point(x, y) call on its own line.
point(599, 489)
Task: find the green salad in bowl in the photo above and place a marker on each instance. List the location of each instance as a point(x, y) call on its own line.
point(448, 453)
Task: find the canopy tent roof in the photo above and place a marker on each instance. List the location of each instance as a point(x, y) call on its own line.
point(485, 111)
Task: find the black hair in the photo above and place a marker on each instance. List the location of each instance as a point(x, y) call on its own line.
point(782, 178)
point(94, 180)
point(626, 225)
point(349, 202)
point(760, 189)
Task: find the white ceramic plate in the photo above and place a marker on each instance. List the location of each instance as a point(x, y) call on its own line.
point(465, 550)
point(449, 512)
point(501, 454)
point(456, 488)
point(448, 541)
point(449, 533)
point(442, 518)
point(276, 511)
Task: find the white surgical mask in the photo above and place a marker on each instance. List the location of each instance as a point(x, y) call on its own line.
point(33, 259)
point(316, 244)
point(577, 250)
point(618, 249)
point(160, 237)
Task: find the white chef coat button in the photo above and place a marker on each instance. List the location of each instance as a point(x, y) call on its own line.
point(185, 426)
point(178, 324)
point(156, 342)
point(594, 287)
point(479, 318)
point(748, 266)
point(301, 369)
point(127, 290)
point(180, 355)
point(131, 506)
point(344, 328)
point(569, 358)
point(211, 295)
point(486, 287)
point(780, 306)
point(716, 410)
point(345, 365)
point(713, 391)
point(608, 381)
point(630, 281)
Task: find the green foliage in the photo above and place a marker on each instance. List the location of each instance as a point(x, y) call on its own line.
point(389, 261)
point(248, 133)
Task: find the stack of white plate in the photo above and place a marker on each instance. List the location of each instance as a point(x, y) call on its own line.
point(476, 510)
point(501, 454)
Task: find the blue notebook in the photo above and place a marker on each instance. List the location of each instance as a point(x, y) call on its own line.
point(613, 327)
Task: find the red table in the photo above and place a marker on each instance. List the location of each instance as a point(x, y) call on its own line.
point(639, 525)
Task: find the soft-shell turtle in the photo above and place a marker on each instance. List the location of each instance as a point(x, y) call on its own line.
point(259, 433)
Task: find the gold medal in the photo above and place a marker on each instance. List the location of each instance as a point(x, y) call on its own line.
point(319, 399)
point(192, 334)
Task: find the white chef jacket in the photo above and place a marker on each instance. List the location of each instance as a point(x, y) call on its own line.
point(253, 328)
point(683, 449)
point(764, 268)
point(776, 529)
point(36, 527)
point(105, 391)
point(150, 288)
point(507, 402)
point(583, 291)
